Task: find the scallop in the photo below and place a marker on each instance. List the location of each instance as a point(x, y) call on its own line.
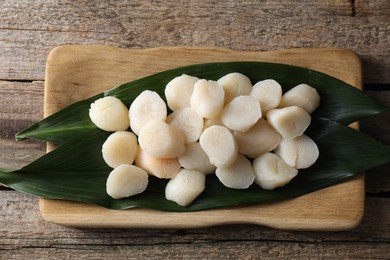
point(185, 187)
point(125, 181)
point(109, 114)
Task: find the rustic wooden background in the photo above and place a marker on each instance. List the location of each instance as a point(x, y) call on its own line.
point(29, 29)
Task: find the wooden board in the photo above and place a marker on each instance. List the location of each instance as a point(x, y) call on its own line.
point(77, 72)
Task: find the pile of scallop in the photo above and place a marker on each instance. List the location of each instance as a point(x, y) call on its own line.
point(244, 134)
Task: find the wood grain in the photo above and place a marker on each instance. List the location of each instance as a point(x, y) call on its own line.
point(30, 29)
point(77, 72)
point(21, 106)
point(24, 234)
point(27, 36)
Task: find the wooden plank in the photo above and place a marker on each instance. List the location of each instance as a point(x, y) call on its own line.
point(219, 249)
point(21, 101)
point(23, 233)
point(361, 26)
point(77, 72)
point(21, 106)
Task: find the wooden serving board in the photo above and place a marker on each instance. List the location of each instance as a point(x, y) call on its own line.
point(74, 73)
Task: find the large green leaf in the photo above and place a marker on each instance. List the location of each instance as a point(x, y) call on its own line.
point(76, 171)
point(340, 102)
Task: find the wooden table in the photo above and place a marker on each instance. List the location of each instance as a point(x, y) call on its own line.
point(30, 29)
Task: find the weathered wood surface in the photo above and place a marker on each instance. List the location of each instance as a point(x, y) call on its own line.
point(30, 29)
point(23, 234)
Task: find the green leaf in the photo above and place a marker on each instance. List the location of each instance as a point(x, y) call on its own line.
point(340, 102)
point(76, 171)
